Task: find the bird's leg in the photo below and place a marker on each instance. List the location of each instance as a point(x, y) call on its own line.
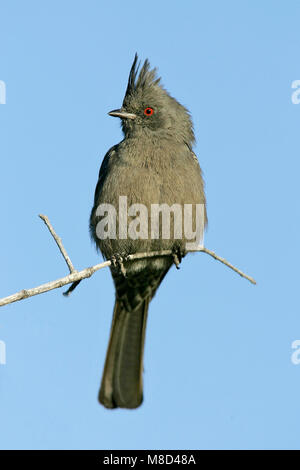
point(178, 254)
point(117, 263)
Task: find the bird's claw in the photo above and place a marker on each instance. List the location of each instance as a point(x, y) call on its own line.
point(117, 262)
point(178, 254)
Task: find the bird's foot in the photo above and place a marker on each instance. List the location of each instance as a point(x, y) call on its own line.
point(178, 254)
point(117, 261)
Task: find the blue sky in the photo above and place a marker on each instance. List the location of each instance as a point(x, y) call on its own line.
point(218, 369)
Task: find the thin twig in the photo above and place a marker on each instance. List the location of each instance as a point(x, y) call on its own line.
point(224, 261)
point(76, 276)
point(71, 288)
point(58, 242)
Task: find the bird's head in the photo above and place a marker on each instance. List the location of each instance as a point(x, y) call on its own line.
point(148, 108)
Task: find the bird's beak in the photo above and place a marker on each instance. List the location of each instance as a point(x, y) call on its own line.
point(122, 114)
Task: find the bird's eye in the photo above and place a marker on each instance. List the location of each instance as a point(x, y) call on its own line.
point(148, 111)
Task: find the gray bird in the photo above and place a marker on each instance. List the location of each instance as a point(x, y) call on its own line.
point(153, 164)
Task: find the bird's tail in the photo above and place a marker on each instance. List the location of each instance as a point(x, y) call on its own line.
point(122, 381)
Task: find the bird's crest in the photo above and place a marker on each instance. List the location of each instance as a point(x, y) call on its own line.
point(141, 78)
point(144, 88)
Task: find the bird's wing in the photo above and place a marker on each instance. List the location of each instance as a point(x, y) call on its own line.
point(104, 168)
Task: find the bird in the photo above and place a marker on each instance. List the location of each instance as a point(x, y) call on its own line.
point(153, 164)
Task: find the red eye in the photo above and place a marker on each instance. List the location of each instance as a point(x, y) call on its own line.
point(148, 111)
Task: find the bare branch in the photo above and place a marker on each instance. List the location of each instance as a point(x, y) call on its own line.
point(58, 242)
point(76, 276)
point(200, 249)
point(73, 277)
point(224, 261)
